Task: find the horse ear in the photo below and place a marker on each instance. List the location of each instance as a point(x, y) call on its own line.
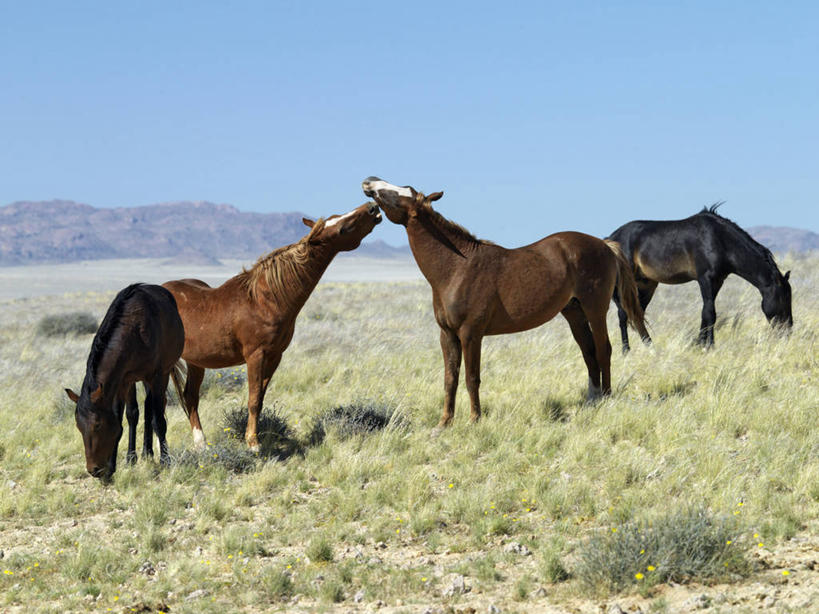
point(308, 223)
point(787, 276)
point(434, 196)
point(72, 395)
point(97, 394)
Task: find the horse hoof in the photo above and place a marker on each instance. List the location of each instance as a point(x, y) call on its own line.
point(255, 448)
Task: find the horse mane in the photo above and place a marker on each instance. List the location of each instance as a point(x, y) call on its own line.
point(108, 328)
point(734, 228)
point(444, 224)
point(281, 268)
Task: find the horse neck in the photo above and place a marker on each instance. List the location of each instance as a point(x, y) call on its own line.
point(752, 265)
point(439, 253)
point(308, 277)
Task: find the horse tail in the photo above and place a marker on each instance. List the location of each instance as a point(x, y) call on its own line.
point(627, 289)
point(177, 373)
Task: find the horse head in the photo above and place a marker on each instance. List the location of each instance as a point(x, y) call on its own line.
point(397, 203)
point(100, 428)
point(345, 232)
point(776, 300)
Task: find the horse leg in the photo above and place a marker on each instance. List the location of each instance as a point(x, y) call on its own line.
point(132, 413)
point(192, 384)
point(471, 344)
point(156, 399)
point(148, 425)
point(645, 291)
point(260, 368)
point(623, 319)
point(582, 334)
point(451, 348)
point(709, 287)
point(602, 347)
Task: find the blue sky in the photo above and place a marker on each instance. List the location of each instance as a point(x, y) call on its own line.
point(532, 117)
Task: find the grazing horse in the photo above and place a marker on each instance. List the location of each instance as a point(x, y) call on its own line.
point(479, 288)
point(251, 317)
point(140, 339)
point(705, 247)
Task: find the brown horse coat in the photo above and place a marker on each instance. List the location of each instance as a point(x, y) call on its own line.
point(251, 317)
point(479, 288)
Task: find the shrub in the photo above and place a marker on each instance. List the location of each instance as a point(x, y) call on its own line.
point(320, 550)
point(357, 419)
point(690, 545)
point(73, 323)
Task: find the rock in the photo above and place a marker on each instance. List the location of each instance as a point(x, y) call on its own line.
point(375, 561)
point(380, 546)
point(698, 602)
point(615, 609)
point(379, 604)
point(147, 568)
point(2, 555)
point(517, 548)
point(769, 601)
point(457, 587)
point(198, 551)
point(493, 609)
point(12, 484)
point(358, 597)
point(541, 592)
point(198, 594)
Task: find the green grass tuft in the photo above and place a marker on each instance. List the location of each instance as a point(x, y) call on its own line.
point(685, 546)
point(73, 323)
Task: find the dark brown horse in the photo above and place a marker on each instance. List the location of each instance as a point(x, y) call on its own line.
point(479, 288)
point(250, 318)
point(705, 247)
point(140, 339)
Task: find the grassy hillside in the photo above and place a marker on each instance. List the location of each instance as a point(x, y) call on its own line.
point(538, 507)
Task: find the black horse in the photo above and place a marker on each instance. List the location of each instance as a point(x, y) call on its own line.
point(140, 339)
point(705, 247)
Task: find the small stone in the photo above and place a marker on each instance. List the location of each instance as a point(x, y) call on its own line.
point(541, 592)
point(12, 484)
point(380, 546)
point(375, 561)
point(132, 550)
point(457, 587)
point(769, 601)
point(698, 602)
point(358, 597)
point(518, 548)
point(147, 568)
point(379, 604)
point(74, 523)
point(616, 609)
point(2, 555)
point(198, 551)
point(172, 521)
point(493, 609)
point(197, 594)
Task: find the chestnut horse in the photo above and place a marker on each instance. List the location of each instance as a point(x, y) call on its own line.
point(479, 288)
point(251, 317)
point(705, 247)
point(140, 339)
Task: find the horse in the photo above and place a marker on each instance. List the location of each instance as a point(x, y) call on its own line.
point(705, 247)
point(479, 288)
point(250, 318)
point(140, 339)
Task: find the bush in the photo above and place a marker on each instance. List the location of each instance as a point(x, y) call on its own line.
point(349, 420)
point(74, 323)
point(686, 546)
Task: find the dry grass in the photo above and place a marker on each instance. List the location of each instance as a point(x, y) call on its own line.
point(394, 514)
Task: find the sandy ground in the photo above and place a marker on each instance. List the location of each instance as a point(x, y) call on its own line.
point(103, 275)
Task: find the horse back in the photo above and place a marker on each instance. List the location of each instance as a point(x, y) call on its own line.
point(670, 252)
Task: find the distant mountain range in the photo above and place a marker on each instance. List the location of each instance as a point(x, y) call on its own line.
point(183, 232)
point(200, 233)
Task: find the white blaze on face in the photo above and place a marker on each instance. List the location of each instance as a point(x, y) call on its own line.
point(338, 219)
point(383, 185)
